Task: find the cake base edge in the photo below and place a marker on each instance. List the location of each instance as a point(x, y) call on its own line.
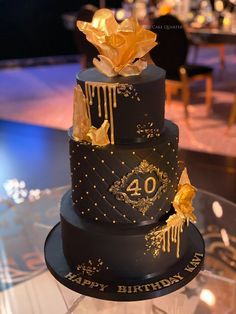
point(126, 290)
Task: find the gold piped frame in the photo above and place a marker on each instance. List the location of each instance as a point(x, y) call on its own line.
point(144, 203)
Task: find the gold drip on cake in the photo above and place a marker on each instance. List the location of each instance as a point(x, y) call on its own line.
point(160, 239)
point(107, 92)
point(106, 95)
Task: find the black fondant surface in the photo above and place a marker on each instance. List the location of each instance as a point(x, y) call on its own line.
point(95, 169)
point(93, 240)
point(150, 89)
point(119, 270)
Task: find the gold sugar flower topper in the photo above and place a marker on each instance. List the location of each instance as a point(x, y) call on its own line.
point(120, 46)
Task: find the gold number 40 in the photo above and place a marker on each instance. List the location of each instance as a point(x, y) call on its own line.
point(150, 184)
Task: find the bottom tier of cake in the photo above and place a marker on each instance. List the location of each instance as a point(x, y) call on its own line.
point(113, 262)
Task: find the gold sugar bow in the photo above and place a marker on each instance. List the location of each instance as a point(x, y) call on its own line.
point(119, 45)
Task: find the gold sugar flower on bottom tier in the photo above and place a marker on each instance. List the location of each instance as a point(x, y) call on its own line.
point(160, 239)
point(121, 46)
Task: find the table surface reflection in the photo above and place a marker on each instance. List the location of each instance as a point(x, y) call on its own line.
point(27, 287)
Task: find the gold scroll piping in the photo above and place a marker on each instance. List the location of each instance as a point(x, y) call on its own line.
point(160, 239)
point(119, 187)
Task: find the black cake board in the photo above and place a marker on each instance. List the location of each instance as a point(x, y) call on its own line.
point(125, 289)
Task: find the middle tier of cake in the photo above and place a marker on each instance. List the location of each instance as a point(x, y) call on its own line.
point(125, 183)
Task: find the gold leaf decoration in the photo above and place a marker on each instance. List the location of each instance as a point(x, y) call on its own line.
point(160, 238)
point(91, 267)
point(81, 121)
point(99, 136)
point(120, 46)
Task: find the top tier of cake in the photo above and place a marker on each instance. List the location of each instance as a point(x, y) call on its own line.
point(134, 105)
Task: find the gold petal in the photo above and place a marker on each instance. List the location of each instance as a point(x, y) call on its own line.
point(121, 44)
point(105, 21)
point(128, 25)
point(99, 136)
point(105, 66)
point(184, 178)
point(133, 69)
point(81, 122)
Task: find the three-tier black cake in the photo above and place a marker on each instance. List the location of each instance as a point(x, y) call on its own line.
point(125, 231)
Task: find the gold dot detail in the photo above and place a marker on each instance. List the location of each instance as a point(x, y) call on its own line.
point(102, 161)
point(162, 156)
point(123, 162)
point(168, 144)
point(94, 186)
point(104, 196)
point(87, 192)
point(114, 221)
point(124, 215)
point(104, 215)
point(103, 179)
point(94, 169)
point(95, 204)
point(82, 213)
point(78, 163)
point(86, 175)
point(154, 149)
point(113, 171)
point(85, 157)
point(96, 218)
point(112, 153)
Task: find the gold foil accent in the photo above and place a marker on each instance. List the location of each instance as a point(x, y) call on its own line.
point(81, 115)
point(148, 130)
point(143, 203)
point(121, 46)
point(99, 136)
point(91, 267)
point(159, 239)
point(106, 94)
